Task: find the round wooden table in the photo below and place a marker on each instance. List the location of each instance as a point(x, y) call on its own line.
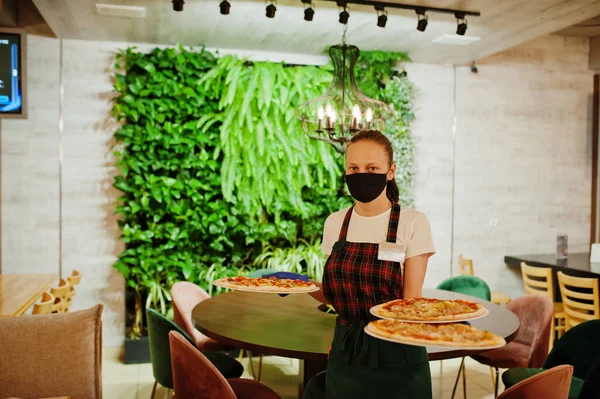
point(293, 327)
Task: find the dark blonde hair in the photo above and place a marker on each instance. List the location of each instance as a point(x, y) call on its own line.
point(376, 136)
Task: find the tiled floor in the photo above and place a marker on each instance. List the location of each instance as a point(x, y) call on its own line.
point(281, 374)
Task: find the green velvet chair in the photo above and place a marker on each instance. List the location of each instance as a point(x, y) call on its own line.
point(315, 387)
point(468, 285)
point(591, 385)
point(160, 354)
point(579, 347)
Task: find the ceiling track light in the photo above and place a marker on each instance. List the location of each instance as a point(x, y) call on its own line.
point(461, 24)
point(178, 5)
point(309, 11)
point(381, 16)
point(422, 19)
point(271, 9)
point(344, 14)
point(225, 6)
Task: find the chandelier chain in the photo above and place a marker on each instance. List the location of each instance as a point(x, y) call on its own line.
point(345, 29)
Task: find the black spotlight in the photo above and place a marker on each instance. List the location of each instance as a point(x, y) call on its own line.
point(225, 6)
point(382, 20)
point(309, 13)
point(178, 5)
point(422, 20)
point(271, 11)
point(461, 27)
point(344, 15)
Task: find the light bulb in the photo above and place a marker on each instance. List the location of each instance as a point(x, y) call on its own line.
point(320, 113)
point(333, 115)
point(369, 115)
point(356, 112)
point(328, 109)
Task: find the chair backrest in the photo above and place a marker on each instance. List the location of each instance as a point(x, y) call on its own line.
point(579, 347)
point(186, 296)
point(194, 376)
point(158, 338)
point(468, 285)
point(74, 278)
point(591, 385)
point(44, 306)
point(52, 355)
point(57, 306)
point(538, 280)
point(580, 299)
point(553, 383)
point(466, 266)
point(536, 314)
point(62, 292)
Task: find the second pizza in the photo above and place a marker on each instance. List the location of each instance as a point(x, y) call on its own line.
point(454, 335)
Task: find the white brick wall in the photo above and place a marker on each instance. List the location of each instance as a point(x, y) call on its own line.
point(522, 156)
point(29, 157)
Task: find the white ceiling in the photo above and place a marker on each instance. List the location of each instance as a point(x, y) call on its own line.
point(503, 24)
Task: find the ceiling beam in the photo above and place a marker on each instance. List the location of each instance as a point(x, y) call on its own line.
point(9, 13)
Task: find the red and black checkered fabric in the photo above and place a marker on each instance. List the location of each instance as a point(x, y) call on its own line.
point(354, 279)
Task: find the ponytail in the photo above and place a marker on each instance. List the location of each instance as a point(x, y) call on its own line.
point(392, 191)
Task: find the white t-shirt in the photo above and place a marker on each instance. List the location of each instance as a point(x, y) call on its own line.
point(414, 232)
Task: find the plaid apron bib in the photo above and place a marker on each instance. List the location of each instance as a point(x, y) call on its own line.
point(359, 365)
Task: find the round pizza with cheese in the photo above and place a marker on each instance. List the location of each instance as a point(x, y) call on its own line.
point(444, 335)
point(266, 284)
point(429, 310)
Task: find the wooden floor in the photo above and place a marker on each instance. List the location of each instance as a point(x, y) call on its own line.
point(281, 374)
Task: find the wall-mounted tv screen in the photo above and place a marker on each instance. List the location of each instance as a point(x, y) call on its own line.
point(12, 74)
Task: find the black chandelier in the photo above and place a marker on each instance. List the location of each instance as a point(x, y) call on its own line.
point(343, 109)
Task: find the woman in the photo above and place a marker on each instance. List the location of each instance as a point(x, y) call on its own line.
point(367, 244)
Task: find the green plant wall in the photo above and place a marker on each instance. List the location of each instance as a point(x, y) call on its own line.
point(218, 178)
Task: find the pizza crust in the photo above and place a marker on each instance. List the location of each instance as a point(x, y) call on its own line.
point(493, 341)
point(222, 282)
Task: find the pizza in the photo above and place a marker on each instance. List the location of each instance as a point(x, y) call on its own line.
point(445, 335)
point(429, 310)
point(265, 284)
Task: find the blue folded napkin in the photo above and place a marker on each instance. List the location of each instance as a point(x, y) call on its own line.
point(284, 275)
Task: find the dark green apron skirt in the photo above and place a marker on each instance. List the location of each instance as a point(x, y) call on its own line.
point(361, 366)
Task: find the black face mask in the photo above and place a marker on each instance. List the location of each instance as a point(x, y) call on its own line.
point(365, 187)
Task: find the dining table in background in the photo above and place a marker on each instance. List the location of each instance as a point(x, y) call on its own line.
point(294, 327)
point(18, 292)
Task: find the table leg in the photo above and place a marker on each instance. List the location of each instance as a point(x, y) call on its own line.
point(308, 369)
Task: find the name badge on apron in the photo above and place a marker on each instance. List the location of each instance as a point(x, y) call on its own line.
point(391, 251)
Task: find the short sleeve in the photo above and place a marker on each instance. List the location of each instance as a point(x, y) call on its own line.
point(421, 241)
point(328, 237)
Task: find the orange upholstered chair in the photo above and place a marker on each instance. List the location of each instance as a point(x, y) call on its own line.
point(186, 296)
point(195, 377)
point(553, 383)
point(530, 346)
